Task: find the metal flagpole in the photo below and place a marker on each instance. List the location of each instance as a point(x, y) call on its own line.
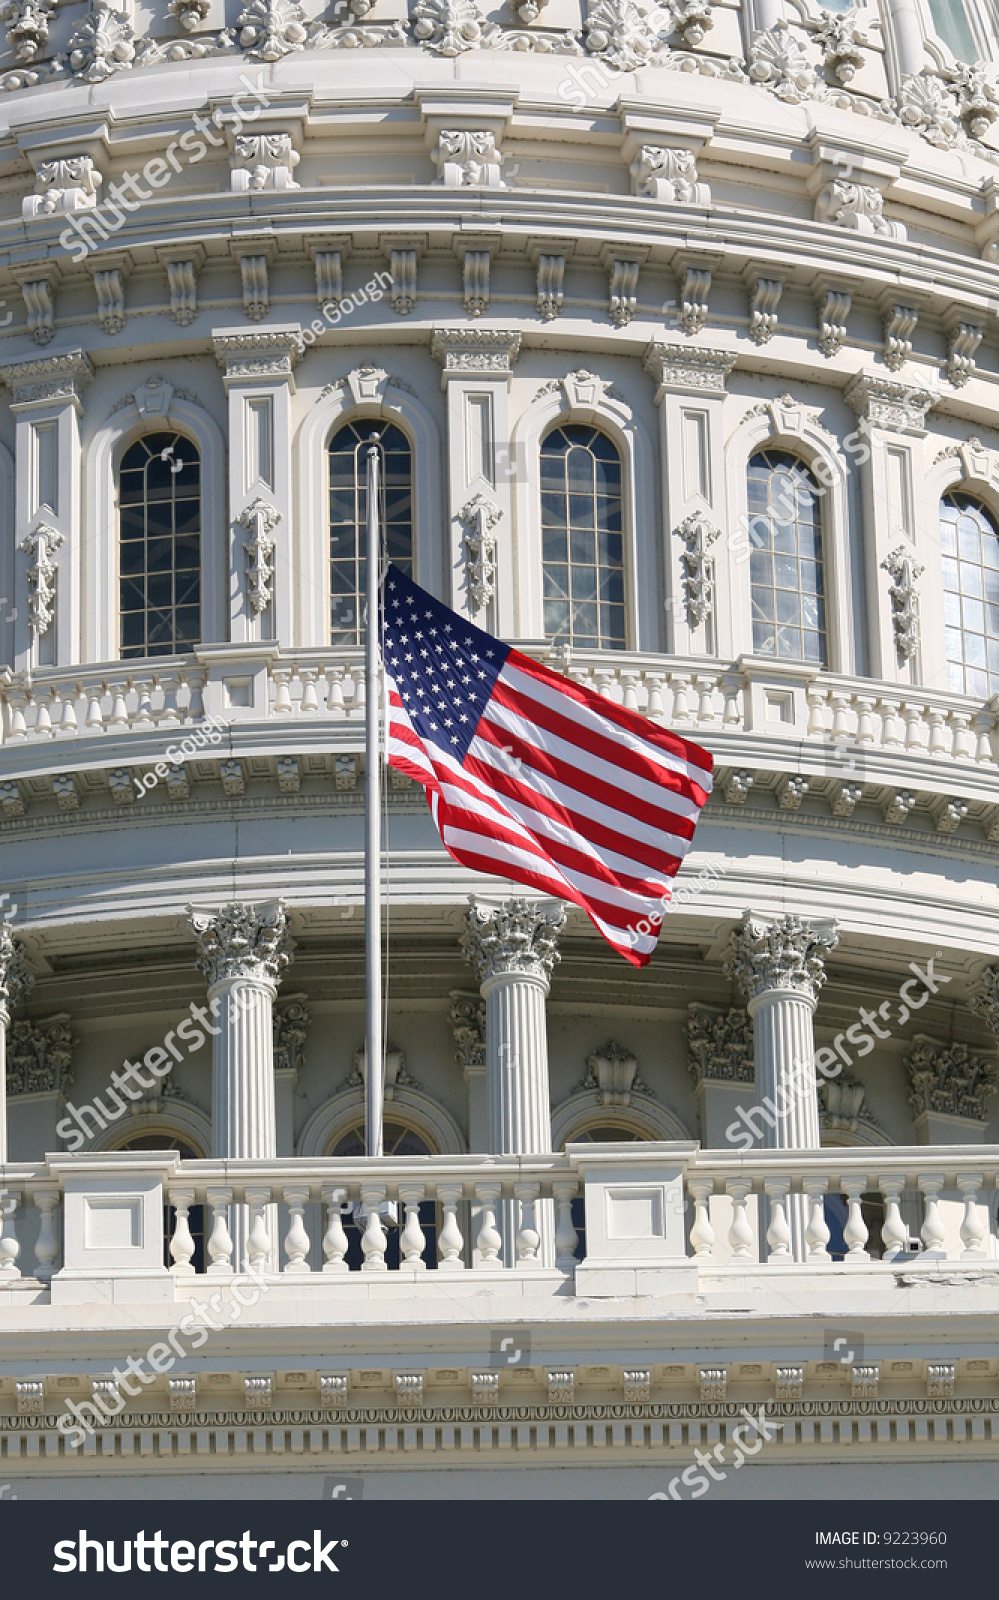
point(374, 1066)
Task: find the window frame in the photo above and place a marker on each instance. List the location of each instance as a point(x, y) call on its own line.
point(625, 643)
point(143, 434)
point(343, 422)
point(780, 660)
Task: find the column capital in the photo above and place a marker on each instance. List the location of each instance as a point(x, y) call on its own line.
point(779, 953)
point(986, 1002)
point(249, 356)
point(16, 977)
point(481, 352)
point(44, 379)
point(242, 941)
point(518, 937)
point(687, 368)
point(884, 403)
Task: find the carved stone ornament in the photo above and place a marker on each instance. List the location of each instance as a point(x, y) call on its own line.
point(765, 298)
point(688, 369)
point(841, 1103)
point(518, 937)
point(626, 37)
point(856, 206)
point(467, 158)
point(669, 176)
point(450, 27)
point(777, 60)
point(985, 1003)
point(784, 952)
point(947, 1078)
point(698, 533)
point(68, 184)
point(396, 1075)
point(842, 40)
point(613, 1072)
point(291, 1026)
point(263, 161)
point(692, 19)
point(39, 1056)
point(904, 571)
point(719, 1045)
point(16, 977)
point(189, 13)
point(271, 29)
point(102, 44)
point(242, 941)
point(898, 407)
point(479, 517)
point(485, 350)
point(467, 1016)
point(27, 23)
point(259, 521)
point(40, 546)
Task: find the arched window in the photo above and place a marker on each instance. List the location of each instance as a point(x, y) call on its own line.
point(348, 517)
point(785, 564)
point(582, 545)
point(159, 563)
point(969, 543)
point(397, 1140)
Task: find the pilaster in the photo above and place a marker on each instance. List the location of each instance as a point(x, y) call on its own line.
point(259, 382)
point(477, 364)
point(16, 977)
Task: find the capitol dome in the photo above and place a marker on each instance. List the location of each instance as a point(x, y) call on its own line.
point(677, 328)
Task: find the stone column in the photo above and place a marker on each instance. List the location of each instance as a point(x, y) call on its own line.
point(778, 963)
point(243, 952)
point(511, 946)
point(15, 978)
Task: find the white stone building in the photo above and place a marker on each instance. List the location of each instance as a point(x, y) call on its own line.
point(678, 327)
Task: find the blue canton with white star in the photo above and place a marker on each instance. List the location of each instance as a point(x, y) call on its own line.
point(444, 668)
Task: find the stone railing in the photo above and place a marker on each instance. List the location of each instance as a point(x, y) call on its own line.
point(259, 683)
point(658, 1218)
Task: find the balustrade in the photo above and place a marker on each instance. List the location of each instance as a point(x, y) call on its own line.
point(382, 1200)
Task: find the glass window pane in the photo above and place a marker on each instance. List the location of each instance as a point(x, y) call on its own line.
point(347, 453)
point(159, 551)
point(581, 512)
point(786, 588)
point(952, 25)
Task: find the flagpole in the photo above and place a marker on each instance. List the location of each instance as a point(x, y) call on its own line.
point(374, 1070)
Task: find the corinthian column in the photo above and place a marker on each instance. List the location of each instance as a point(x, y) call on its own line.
point(243, 952)
point(779, 965)
point(15, 977)
point(512, 950)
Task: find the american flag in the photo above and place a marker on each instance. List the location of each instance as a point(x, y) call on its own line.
point(533, 777)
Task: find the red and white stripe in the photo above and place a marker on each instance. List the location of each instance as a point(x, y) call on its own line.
point(568, 793)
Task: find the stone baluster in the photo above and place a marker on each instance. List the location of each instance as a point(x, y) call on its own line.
point(817, 1233)
point(741, 1238)
point(334, 693)
point(490, 1241)
point(891, 725)
point(894, 1233)
point(566, 1237)
point(182, 1244)
point(973, 1234)
point(413, 1240)
point(816, 697)
point(528, 1237)
point(46, 1203)
point(855, 1233)
point(654, 682)
point(16, 977)
point(95, 711)
point(10, 1248)
point(309, 702)
point(220, 1241)
point(512, 948)
point(335, 1237)
point(449, 1242)
point(373, 1239)
point(243, 952)
point(297, 1241)
point(259, 1239)
point(932, 1232)
point(779, 964)
point(702, 1235)
point(779, 1232)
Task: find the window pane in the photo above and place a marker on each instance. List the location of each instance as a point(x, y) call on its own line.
point(786, 587)
point(971, 633)
point(159, 551)
point(581, 513)
point(952, 25)
point(348, 514)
